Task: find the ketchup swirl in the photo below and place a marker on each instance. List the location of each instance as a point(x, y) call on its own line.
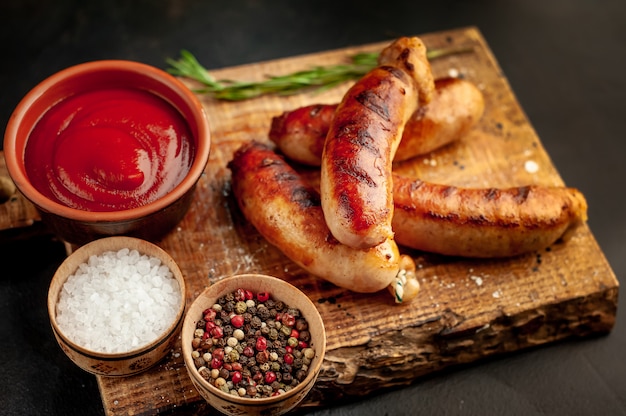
point(109, 150)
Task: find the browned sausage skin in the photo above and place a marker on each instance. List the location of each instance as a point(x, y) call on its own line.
point(485, 223)
point(300, 134)
point(456, 107)
point(286, 210)
point(355, 181)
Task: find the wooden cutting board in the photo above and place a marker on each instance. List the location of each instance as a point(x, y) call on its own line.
point(467, 309)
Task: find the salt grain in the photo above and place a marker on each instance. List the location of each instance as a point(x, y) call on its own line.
point(531, 166)
point(118, 301)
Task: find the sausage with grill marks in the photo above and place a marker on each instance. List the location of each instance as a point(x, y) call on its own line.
point(483, 223)
point(456, 107)
point(286, 210)
point(355, 182)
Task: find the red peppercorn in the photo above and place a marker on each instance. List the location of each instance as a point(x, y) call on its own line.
point(240, 294)
point(261, 344)
point(209, 326)
point(218, 353)
point(237, 321)
point(262, 296)
point(295, 334)
point(248, 294)
point(288, 319)
point(209, 314)
point(236, 377)
point(289, 349)
point(302, 345)
point(288, 358)
point(215, 363)
point(217, 332)
point(248, 351)
point(270, 377)
point(237, 366)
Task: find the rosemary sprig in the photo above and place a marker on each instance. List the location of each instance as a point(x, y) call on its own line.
point(319, 78)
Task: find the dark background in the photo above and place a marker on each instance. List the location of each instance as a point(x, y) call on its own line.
point(565, 61)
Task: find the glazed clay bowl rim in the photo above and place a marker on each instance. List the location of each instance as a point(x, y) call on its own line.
point(100, 246)
point(198, 123)
point(218, 289)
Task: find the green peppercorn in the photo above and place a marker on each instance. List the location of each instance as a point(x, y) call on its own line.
point(309, 353)
point(240, 307)
point(234, 356)
point(286, 331)
point(292, 342)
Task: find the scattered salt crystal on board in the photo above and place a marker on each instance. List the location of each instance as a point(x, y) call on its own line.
point(118, 301)
point(531, 166)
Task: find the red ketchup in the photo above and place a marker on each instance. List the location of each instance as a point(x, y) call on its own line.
point(109, 150)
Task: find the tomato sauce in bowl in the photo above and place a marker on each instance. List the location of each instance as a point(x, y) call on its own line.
point(107, 150)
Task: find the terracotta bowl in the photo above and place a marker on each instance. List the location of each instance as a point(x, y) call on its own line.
point(135, 360)
point(279, 290)
point(150, 221)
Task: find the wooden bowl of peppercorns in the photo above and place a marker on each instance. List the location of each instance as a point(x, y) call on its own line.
point(253, 344)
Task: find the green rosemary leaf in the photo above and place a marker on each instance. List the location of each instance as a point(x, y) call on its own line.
point(319, 78)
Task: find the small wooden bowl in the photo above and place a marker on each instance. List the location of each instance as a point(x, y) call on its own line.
point(115, 364)
point(279, 290)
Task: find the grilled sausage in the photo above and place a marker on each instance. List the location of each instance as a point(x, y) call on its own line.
point(456, 107)
point(300, 134)
point(484, 223)
point(286, 210)
point(355, 182)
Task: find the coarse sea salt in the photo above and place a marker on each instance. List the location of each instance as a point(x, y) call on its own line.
point(118, 301)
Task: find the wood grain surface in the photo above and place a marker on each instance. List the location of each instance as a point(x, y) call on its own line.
point(467, 310)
